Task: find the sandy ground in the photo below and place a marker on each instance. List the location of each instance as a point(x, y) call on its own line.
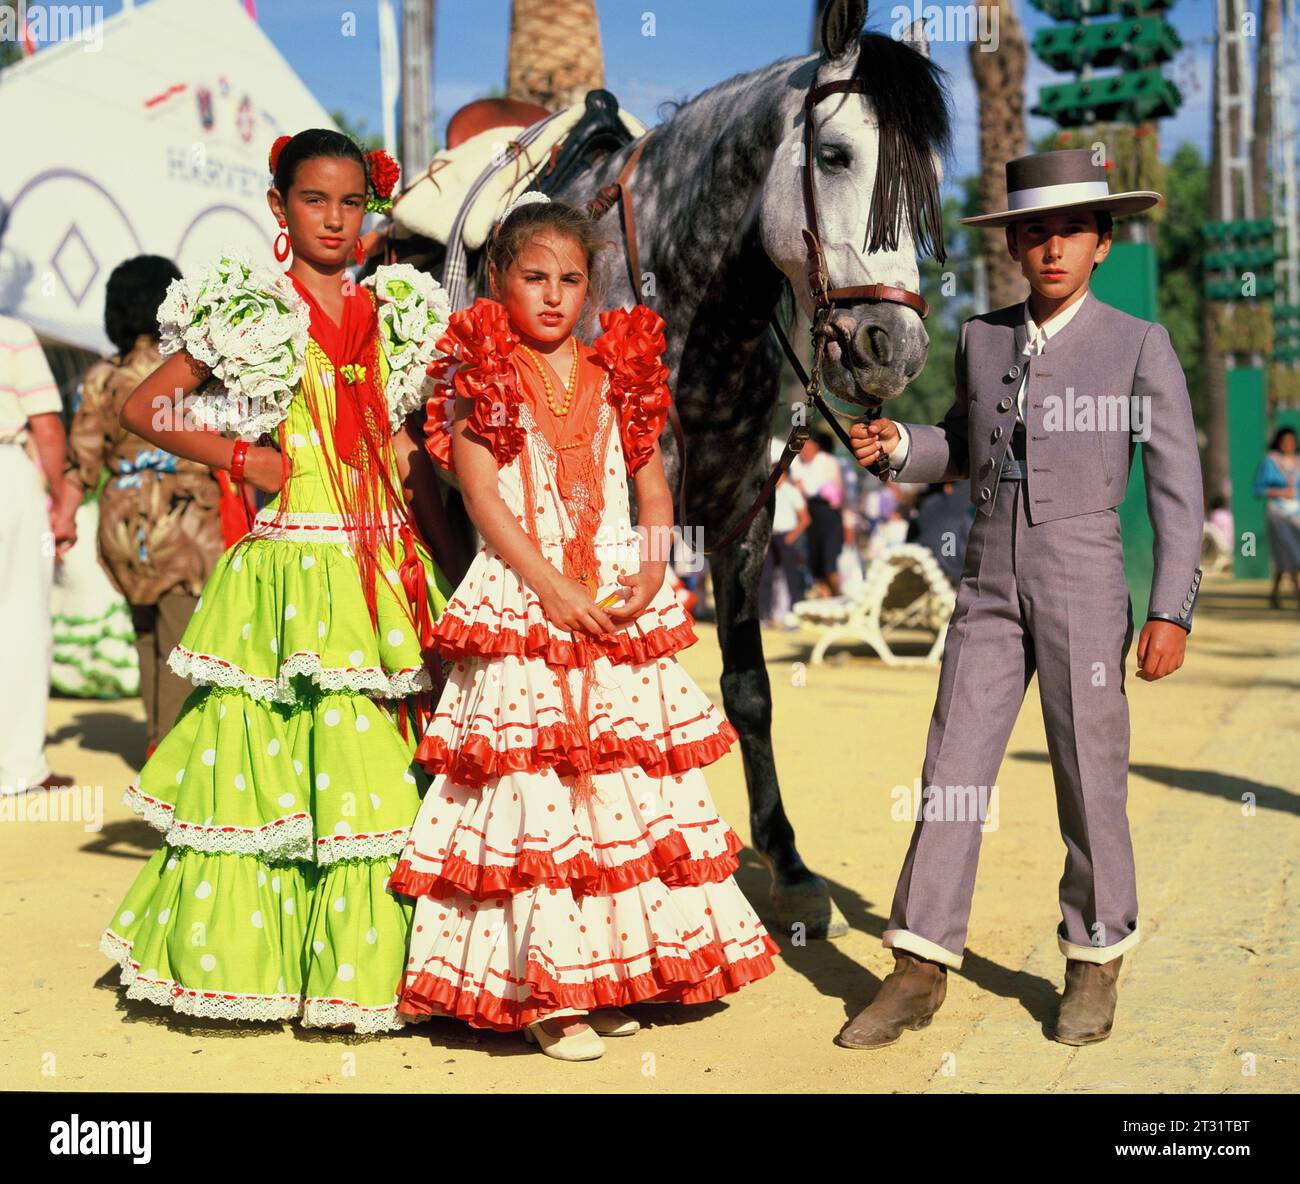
point(1207, 1001)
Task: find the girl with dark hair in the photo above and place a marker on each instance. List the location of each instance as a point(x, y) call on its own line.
point(1276, 482)
point(159, 530)
point(568, 858)
point(287, 786)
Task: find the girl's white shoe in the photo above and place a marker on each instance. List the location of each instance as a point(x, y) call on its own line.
point(579, 1046)
point(610, 1021)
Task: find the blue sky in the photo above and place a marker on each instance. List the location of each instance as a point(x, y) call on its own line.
point(696, 44)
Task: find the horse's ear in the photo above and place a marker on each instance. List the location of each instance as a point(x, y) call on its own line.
point(842, 22)
point(916, 38)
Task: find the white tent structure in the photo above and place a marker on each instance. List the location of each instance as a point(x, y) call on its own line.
point(154, 143)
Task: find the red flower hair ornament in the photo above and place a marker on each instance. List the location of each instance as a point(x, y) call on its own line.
point(276, 149)
point(384, 171)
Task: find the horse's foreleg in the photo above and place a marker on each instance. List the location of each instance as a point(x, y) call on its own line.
point(800, 896)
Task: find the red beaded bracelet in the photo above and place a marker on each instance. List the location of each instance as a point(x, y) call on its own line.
point(237, 459)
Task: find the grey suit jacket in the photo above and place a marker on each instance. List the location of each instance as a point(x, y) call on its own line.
point(1103, 380)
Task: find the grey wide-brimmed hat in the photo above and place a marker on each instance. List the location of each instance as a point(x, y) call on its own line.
point(1066, 180)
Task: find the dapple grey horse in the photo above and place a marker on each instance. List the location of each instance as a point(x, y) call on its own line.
point(719, 211)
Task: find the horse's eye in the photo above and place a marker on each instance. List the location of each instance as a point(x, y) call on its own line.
point(834, 160)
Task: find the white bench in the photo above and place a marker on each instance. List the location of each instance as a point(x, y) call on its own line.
point(904, 589)
point(1216, 551)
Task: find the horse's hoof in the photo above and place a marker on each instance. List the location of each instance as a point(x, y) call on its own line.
point(807, 908)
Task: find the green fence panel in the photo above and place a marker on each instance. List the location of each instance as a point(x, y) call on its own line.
point(1247, 440)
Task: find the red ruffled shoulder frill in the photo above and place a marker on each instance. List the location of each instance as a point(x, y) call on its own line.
point(631, 350)
point(475, 364)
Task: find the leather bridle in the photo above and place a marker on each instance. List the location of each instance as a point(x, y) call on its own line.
point(825, 298)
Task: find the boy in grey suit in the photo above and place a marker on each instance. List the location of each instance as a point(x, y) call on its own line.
point(1050, 399)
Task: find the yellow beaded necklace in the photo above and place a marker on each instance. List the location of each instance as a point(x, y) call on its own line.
point(570, 388)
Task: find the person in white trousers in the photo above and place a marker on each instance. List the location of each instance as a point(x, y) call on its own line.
point(31, 534)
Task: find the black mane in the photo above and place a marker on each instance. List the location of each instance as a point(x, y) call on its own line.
point(910, 97)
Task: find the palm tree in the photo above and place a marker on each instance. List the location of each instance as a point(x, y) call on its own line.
point(1000, 82)
point(555, 56)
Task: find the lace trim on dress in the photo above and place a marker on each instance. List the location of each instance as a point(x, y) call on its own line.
point(287, 839)
point(301, 526)
point(283, 839)
point(315, 1012)
point(379, 845)
point(208, 669)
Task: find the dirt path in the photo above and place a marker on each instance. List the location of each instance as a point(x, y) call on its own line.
point(1206, 1002)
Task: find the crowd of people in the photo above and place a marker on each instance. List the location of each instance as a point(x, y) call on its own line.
point(832, 518)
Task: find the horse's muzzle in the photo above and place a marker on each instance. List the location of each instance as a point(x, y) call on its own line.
point(875, 351)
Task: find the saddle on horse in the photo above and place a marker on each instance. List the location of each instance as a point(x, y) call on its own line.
point(497, 149)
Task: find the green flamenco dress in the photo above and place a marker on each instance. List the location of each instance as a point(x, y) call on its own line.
point(287, 786)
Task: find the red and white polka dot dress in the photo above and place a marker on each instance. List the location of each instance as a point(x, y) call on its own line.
point(531, 898)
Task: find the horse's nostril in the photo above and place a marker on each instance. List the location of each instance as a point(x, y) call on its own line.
point(878, 341)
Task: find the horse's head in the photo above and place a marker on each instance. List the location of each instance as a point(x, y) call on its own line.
point(875, 172)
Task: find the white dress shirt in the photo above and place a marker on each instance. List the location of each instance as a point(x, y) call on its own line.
point(1038, 337)
point(819, 477)
point(789, 505)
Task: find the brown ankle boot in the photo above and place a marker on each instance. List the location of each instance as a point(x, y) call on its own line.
point(1088, 1006)
point(907, 1000)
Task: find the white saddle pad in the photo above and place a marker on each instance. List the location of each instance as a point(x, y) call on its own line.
point(430, 207)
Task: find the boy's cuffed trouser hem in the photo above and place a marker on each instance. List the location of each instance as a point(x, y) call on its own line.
point(1098, 954)
point(901, 939)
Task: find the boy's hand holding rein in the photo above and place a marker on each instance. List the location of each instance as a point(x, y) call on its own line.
point(873, 440)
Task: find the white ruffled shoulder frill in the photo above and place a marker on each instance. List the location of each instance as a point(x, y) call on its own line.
point(413, 311)
point(249, 326)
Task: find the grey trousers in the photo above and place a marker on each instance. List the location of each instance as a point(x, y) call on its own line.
point(1047, 599)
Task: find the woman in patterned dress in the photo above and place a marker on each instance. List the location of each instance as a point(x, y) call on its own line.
point(159, 526)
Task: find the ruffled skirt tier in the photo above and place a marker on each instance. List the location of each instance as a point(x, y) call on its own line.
point(530, 897)
point(284, 793)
